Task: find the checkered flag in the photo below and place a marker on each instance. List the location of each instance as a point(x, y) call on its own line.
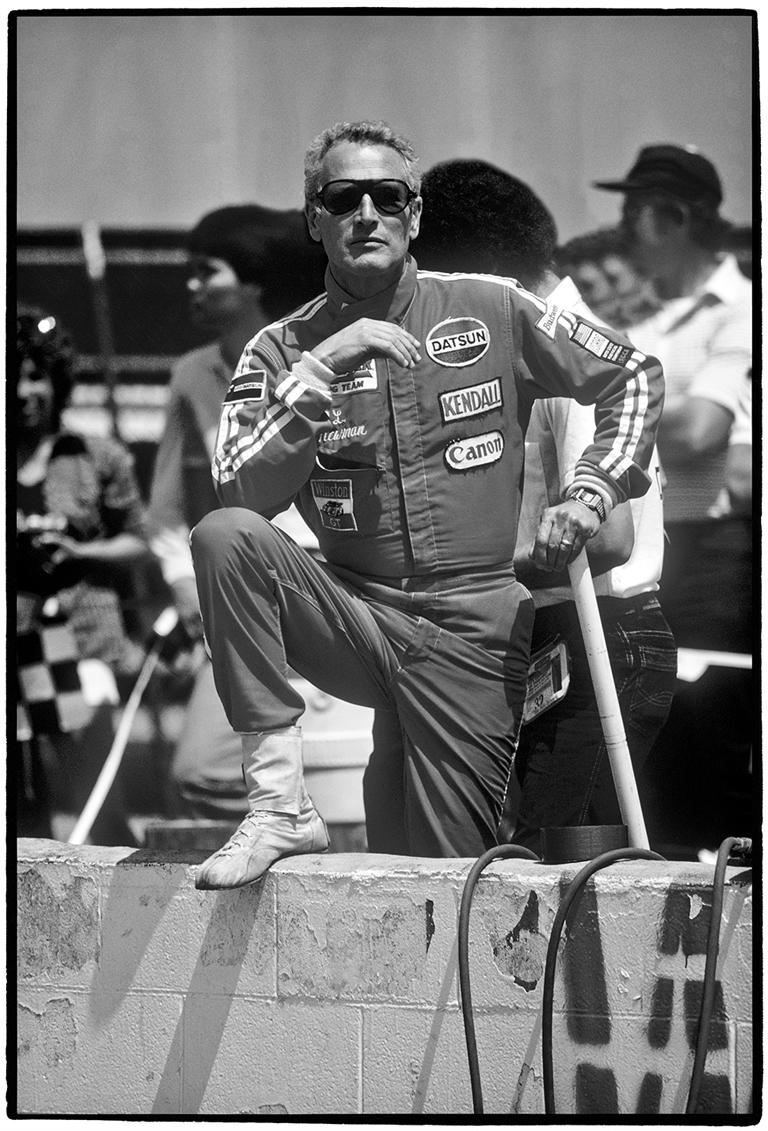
point(50, 697)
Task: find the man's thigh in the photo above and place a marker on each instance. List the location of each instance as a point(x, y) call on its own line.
point(459, 709)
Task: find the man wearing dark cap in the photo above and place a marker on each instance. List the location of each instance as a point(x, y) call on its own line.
point(703, 336)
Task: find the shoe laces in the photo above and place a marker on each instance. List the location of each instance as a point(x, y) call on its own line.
point(241, 835)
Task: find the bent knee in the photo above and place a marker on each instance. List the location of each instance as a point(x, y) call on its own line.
point(220, 529)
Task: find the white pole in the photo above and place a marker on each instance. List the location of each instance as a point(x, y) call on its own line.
point(607, 700)
point(162, 626)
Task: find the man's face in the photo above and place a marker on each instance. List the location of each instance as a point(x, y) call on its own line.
point(594, 287)
point(648, 237)
point(216, 295)
point(365, 248)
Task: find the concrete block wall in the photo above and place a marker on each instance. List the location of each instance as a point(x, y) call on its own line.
point(331, 988)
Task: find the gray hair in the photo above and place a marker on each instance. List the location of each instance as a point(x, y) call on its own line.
point(368, 133)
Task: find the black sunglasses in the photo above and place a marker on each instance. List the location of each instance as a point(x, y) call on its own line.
point(389, 197)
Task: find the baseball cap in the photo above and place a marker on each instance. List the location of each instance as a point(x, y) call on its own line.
point(679, 170)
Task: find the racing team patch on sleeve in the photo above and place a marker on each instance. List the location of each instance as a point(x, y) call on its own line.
point(249, 386)
point(596, 343)
point(334, 500)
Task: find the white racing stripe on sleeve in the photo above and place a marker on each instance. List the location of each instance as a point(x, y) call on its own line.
point(275, 419)
point(289, 390)
point(624, 447)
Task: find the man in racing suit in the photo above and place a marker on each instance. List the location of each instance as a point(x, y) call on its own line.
point(392, 409)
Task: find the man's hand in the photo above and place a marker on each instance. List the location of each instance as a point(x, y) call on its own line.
point(563, 532)
point(368, 337)
point(61, 547)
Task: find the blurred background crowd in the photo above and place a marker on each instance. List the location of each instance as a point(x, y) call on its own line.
point(157, 240)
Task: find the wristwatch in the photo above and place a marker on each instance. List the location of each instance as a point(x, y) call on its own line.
point(592, 499)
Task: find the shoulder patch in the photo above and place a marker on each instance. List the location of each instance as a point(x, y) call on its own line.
point(250, 386)
point(550, 320)
point(595, 342)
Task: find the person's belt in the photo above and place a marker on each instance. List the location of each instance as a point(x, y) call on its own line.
point(611, 608)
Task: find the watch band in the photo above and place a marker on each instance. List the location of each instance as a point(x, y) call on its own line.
point(591, 499)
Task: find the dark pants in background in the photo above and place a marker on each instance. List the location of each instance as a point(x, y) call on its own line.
point(562, 763)
point(699, 774)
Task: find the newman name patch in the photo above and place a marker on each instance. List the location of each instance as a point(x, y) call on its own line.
point(471, 401)
point(251, 386)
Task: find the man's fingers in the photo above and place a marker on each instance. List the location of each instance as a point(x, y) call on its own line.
point(401, 346)
point(555, 547)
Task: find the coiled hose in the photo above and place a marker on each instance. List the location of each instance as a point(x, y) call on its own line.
point(741, 846)
point(744, 847)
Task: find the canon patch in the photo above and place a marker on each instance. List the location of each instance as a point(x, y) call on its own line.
point(334, 501)
point(474, 451)
point(251, 386)
point(471, 401)
point(458, 341)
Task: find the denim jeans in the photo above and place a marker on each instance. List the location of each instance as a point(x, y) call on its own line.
point(561, 763)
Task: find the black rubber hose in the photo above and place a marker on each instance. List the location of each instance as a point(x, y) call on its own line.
point(501, 851)
point(710, 970)
point(572, 891)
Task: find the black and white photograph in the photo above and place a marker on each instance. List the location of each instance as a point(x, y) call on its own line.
point(387, 728)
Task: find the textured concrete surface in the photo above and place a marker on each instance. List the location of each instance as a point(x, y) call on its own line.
point(331, 987)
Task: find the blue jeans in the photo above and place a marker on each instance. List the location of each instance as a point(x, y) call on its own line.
point(561, 763)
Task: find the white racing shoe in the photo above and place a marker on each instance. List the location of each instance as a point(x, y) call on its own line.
point(261, 839)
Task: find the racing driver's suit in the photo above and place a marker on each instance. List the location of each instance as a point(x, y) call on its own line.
point(411, 480)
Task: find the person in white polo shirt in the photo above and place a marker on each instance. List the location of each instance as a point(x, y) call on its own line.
point(703, 336)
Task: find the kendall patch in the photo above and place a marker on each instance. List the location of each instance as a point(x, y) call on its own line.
point(458, 341)
point(595, 342)
point(250, 386)
point(471, 401)
point(474, 451)
point(361, 380)
point(334, 501)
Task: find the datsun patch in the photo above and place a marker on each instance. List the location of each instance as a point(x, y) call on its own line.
point(472, 452)
point(458, 341)
point(335, 502)
point(250, 386)
point(473, 400)
point(596, 343)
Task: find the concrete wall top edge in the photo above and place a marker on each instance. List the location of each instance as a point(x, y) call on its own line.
point(371, 866)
